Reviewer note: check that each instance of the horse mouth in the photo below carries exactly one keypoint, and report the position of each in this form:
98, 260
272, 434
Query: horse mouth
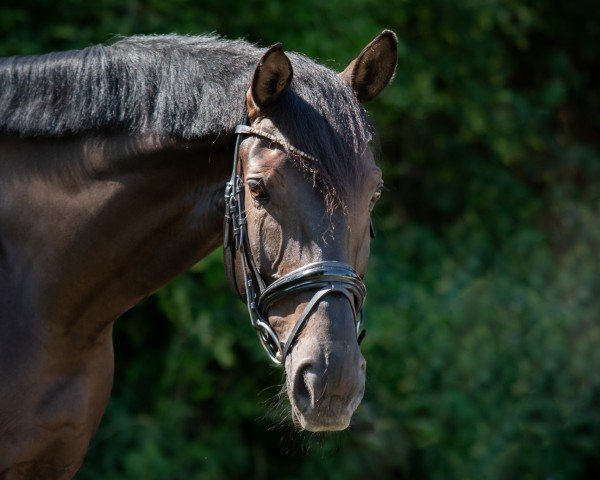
322, 425
322, 421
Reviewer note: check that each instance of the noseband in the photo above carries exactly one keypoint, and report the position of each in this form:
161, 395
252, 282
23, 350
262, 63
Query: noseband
325, 277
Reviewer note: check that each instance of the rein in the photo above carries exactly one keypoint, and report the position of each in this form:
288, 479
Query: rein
326, 277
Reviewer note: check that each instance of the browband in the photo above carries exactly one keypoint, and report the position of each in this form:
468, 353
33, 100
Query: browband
248, 130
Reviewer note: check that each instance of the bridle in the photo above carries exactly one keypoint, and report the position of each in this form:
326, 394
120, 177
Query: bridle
326, 277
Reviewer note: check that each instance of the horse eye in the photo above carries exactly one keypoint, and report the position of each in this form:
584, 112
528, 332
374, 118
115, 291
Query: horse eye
258, 189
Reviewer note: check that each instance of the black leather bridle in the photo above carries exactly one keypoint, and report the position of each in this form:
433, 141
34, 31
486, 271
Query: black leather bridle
326, 277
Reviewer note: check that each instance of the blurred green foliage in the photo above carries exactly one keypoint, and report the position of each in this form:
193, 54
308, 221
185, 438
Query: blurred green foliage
484, 284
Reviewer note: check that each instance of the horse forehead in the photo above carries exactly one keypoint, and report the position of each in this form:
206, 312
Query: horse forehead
263, 158
367, 169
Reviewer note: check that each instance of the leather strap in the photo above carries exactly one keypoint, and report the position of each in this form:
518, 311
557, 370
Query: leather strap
317, 297
248, 130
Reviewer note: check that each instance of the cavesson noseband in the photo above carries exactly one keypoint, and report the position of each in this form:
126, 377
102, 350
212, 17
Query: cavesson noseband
326, 277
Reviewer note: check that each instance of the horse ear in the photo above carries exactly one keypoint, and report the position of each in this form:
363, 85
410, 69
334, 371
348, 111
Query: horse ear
272, 76
370, 72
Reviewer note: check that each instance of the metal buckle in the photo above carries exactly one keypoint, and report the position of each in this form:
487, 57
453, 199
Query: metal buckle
269, 341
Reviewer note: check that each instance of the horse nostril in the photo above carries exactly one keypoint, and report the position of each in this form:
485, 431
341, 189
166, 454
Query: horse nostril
302, 391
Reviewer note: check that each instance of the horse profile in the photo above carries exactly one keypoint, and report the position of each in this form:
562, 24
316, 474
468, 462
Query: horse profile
114, 161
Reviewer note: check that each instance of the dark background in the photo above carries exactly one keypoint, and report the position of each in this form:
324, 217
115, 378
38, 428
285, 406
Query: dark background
484, 286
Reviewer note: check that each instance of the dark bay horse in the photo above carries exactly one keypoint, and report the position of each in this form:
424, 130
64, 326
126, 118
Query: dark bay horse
113, 166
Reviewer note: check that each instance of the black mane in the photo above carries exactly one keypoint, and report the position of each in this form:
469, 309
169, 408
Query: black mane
189, 87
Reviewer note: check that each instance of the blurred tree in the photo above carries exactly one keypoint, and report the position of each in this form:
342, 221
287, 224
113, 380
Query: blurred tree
483, 332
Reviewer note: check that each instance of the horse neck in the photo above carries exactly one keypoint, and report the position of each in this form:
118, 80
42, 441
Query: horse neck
90, 226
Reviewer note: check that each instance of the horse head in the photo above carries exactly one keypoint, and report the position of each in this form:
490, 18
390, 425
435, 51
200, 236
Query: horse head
298, 231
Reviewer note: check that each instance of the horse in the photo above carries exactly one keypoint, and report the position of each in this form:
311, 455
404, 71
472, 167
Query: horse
116, 176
